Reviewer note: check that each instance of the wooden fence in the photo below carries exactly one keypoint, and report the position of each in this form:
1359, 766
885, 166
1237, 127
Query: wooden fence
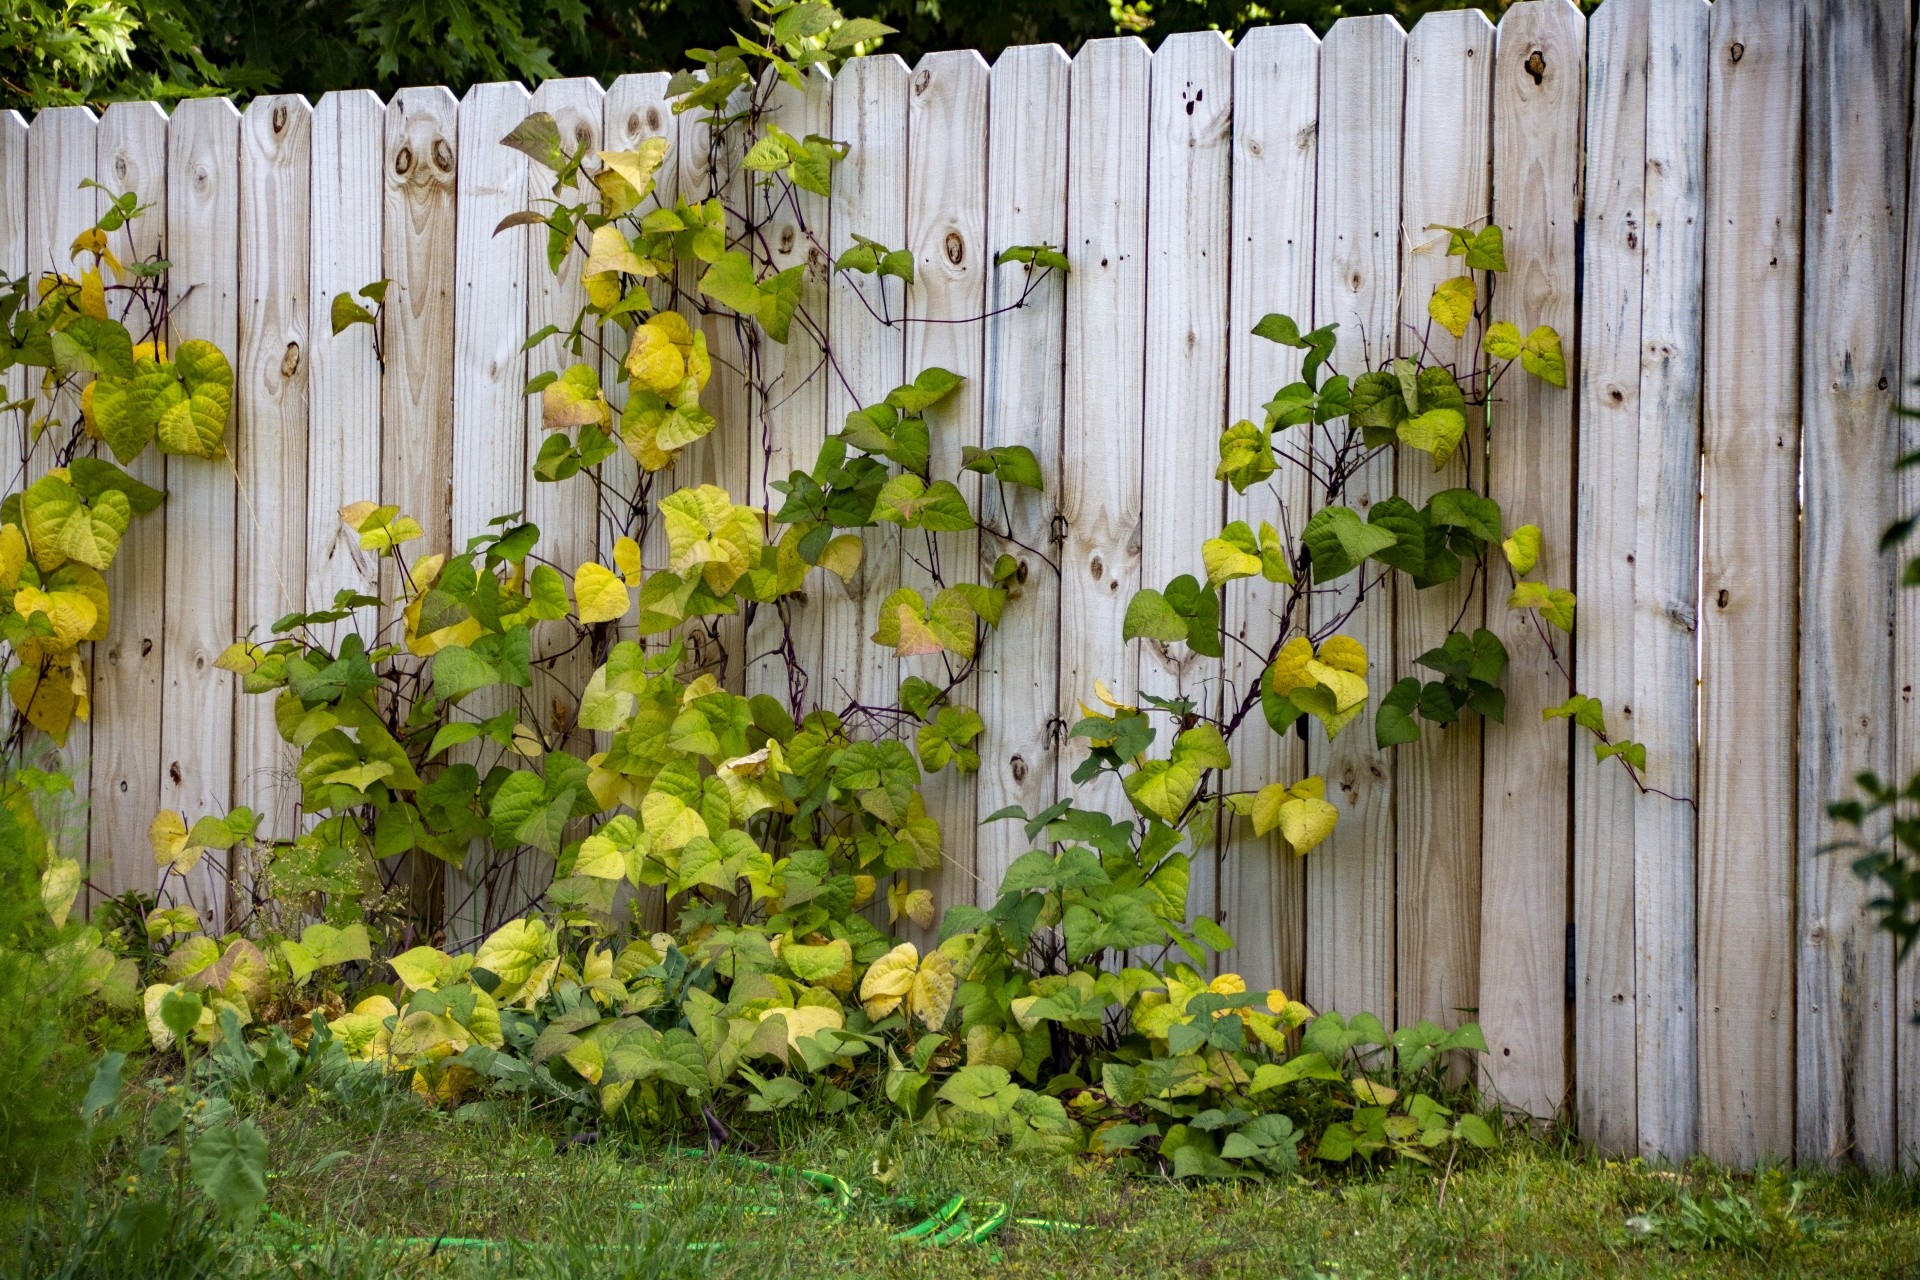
1709, 201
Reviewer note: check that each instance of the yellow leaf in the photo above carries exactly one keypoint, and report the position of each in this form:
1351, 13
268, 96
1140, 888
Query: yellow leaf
610, 252
1105, 695
1344, 653
1289, 669
599, 594
167, 834
915, 904
1452, 304
932, 991
242, 657
93, 240
626, 558
1305, 822
93, 294
13, 554
806, 1020
656, 355
888, 980
59, 886
1523, 548
71, 615
842, 556
863, 889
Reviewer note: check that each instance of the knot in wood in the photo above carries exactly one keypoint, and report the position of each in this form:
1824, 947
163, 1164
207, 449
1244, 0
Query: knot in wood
279, 119
442, 155
956, 248
1536, 66
921, 79
1018, 766
1736, 51
290, 361
403, 161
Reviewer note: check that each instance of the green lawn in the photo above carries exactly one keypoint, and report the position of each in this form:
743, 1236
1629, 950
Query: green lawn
354, 1192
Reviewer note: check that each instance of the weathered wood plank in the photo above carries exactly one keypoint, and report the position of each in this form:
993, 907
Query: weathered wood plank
1857, 87
710, 169
128, 665
13, 257
270, 427
947, 123
1105, 384
1350, 877
870, 114
196, 718
1666, 575
1606, 1005
790, 423
345, 223
60, 157
490, 473
1906, 679
419, 235
1190, 149
1019, 676
636, 108
1749, 553
1538, 92
1446, 180
1276, 99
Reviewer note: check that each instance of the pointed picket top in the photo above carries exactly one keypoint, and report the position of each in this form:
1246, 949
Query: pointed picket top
1022, 54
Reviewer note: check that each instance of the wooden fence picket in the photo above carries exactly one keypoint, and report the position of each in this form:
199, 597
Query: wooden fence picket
60, 157
1104, 397
1276, 101
869, 190
1190, 150
1019, 691
1858, 98
1906, 673
792, 425
947, 122
128, 664
1538, 93
1749, 582
1350, 877
490, 476
270, 428
1446, 177
346, 205
196, 716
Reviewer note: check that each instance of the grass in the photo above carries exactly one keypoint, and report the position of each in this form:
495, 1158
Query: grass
363, 1191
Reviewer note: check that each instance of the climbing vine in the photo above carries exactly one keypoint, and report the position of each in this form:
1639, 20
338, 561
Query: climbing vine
539, 795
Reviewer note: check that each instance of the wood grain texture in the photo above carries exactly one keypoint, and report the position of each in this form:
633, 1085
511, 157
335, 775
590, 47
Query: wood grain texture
1524, 855
196, 719
790, 423
416, 455
1666, 575
345, 223
710, 169
1190, 152
131, 155
636, 108
13, 256
60, 157
564, 510
1906, 679
1749, 553
270, 428
869, 187
1276, 92
490, 474
1019, 687
1446, 180
1606, 1004
1857, 102
1105, 392
1350, 877
947, 122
